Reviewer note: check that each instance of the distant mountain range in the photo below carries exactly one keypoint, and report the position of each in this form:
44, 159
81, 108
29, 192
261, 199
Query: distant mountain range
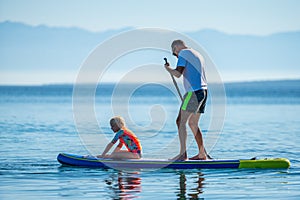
41, 48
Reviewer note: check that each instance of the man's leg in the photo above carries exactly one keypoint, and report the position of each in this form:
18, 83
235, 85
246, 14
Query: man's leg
193, 123
181, 121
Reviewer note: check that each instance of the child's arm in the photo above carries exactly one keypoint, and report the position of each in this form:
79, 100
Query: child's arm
118, 148
108, 147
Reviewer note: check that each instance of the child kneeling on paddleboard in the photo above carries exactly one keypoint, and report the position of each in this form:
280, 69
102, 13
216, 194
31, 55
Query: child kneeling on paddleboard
125, 136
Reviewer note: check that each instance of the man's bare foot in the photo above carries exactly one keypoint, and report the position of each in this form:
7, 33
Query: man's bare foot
180, 157
198, 157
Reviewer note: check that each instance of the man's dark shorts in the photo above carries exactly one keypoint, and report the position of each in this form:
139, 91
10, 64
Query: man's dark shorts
195, 101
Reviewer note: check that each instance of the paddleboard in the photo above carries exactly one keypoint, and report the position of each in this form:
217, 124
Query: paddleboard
90, 161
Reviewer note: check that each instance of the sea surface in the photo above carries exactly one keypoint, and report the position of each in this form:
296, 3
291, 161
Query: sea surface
260, 119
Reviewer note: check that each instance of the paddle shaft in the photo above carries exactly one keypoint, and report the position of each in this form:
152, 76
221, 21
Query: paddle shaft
174, 82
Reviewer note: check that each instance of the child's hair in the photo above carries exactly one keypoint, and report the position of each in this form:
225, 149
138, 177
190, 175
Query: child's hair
118, 120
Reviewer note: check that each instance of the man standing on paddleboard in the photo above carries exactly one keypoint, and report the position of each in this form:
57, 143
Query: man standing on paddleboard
191, 65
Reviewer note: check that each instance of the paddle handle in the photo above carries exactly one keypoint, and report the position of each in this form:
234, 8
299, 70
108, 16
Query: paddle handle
166, 61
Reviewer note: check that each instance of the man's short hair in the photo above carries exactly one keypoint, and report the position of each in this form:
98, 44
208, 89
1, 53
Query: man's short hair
177, 43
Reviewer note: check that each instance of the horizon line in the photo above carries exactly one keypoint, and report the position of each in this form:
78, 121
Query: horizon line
132, 83
126, 28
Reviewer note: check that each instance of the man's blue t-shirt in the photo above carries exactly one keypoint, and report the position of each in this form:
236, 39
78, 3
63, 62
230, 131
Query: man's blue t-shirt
194, 73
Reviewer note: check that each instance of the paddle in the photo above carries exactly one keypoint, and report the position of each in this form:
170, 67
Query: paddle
179, 93
174, 82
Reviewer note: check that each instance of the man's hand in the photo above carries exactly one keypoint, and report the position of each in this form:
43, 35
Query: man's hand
174, 72
167, 66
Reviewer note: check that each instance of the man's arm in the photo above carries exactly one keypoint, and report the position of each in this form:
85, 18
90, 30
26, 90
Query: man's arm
175, 72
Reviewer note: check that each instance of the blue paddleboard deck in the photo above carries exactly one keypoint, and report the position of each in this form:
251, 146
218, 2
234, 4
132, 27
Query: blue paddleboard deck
82, 161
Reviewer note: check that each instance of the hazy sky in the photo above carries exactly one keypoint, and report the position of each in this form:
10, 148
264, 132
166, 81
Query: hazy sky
259, 17
251, 17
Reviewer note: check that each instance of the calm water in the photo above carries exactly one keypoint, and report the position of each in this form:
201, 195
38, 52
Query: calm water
36, 123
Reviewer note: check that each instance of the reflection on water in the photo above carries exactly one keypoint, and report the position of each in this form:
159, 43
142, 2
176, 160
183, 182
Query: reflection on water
125, 185
196, 186
86, 183
128, 185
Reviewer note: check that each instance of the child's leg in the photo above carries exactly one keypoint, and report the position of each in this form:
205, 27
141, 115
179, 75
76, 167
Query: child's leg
125, 154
